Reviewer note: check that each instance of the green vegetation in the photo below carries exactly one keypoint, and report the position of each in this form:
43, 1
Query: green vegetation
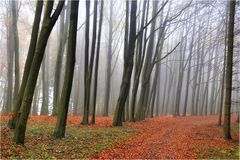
208, 152
79, 142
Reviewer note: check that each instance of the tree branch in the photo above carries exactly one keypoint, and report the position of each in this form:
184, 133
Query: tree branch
167, 54
142, 29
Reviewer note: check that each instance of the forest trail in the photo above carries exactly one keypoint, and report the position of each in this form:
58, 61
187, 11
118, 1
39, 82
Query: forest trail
170, 137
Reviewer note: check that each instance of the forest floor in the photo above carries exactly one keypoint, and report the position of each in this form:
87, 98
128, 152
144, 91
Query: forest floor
160, 137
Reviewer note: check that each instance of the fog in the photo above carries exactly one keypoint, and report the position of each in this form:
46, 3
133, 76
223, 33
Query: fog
184, 43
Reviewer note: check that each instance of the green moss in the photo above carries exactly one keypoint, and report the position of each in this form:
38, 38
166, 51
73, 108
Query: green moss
79, 142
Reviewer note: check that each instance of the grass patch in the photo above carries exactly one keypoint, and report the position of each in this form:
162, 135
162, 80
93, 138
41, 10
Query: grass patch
79, 142
219, 153
209, 151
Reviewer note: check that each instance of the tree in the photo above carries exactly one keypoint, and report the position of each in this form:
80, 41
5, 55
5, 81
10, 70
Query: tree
89, 67
228, 91
62, 38
139, 57
34, 36
147, 68
45, 84
96, 64
47, 26
224, 70
63, 103
109, 61
128, 66
10, 56
16, 47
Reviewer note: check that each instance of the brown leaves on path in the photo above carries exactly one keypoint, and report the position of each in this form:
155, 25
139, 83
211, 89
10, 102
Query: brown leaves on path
173, 138
156, 138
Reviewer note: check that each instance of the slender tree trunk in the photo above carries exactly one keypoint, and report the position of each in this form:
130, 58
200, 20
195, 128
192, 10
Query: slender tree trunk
47, 26
138, 63
63, 103
10, 56
58, 67
128, 66
45, 84
109, 61
86, 89
31, 51
224, 71
16, 47
87, 92
146, 73
228, 92
96, 64
35, 100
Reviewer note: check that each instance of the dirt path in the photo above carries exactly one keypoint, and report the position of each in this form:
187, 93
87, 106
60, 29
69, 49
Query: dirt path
169, 137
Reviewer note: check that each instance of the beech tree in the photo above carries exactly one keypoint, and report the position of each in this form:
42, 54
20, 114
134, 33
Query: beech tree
63, 103
128, 66
89, 63
228, 91
48, 23
33, 42
16, 47
95, 84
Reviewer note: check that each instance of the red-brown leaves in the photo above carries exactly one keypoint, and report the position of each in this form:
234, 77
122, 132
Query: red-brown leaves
172, 138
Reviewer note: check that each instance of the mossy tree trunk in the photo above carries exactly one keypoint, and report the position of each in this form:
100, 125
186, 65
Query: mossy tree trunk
128, 66
147, 68
47, 26
34, 36
229, 70
63, 103
139, 60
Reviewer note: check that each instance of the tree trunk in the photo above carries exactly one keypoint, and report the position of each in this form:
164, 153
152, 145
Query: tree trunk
35, 100
47, 26
146, 73
63, 103
10, 56
86, 89
228, 92
224, 71
63, 38
96, 64
16, 47
109, 61
88, 79
139, 61
31, 51
45, 84
128, 66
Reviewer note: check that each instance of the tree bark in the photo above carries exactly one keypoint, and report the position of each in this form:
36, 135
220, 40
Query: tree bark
96, 64
109, 61
47, 26
128, 66
63, 38
31, 51
16, 48
45, 84
86, 89
88, 78
228, 92
63, 103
